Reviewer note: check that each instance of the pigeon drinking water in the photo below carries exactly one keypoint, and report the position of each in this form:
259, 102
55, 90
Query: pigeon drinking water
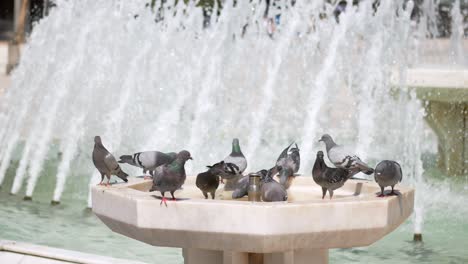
105, 162
271, 190
387, 173
148, 160
241, 187
208, 181
343, 158
329, 178
170, 177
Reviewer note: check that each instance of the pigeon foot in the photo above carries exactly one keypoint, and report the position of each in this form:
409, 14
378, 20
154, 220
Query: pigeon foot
393, 193
163, 200
146, 177
381, 195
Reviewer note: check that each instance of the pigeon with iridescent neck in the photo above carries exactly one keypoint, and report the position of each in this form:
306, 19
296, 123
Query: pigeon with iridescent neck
170, 177
105, 162
343, 158
388, 173
328, 178
236, 157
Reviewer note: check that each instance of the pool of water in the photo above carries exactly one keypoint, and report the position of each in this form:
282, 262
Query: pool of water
71, 226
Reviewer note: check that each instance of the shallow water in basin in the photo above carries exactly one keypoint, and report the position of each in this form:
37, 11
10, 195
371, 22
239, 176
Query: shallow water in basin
70, 226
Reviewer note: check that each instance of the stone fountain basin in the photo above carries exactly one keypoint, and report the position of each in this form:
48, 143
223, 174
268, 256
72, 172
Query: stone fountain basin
354, 217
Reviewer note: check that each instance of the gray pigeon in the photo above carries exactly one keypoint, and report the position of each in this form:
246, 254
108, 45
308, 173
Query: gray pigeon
343, 158
170, 177
231, 174
270, 189
148, 160
241, 185
208, 181
236, 157
285, 176
329, 178
288, 163
388, 173
290, 157
105, 162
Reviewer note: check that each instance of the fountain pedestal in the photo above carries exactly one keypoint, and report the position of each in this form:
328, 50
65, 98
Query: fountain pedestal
237, 231
446, 94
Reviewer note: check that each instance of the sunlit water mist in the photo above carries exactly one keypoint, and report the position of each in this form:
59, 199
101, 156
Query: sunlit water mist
95, 68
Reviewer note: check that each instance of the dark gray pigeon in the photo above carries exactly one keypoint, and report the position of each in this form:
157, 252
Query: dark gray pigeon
329, 178
170, 177
148, 160
343, 158
208, 181
388, 173
236, 157
270, 189
105, 162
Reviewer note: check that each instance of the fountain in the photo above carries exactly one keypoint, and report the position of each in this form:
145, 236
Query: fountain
111, 70
298, 231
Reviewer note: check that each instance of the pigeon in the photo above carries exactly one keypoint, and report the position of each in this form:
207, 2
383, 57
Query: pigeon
290, 157
342, 158
148, 160
329, 178
236, 157
170, 177
270, 189
105, 162
388, 173
288, 163
285, 176
241, 187
208, 181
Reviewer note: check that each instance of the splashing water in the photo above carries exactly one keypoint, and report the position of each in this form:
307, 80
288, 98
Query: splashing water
104, 68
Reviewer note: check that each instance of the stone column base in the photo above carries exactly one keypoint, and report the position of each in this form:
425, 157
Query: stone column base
202, 256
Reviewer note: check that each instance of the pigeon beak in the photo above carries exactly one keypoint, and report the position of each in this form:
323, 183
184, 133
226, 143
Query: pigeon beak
191, 158
320, 140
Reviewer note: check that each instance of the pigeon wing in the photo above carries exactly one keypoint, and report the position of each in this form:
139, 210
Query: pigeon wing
111, 162
284, 153
338, 155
